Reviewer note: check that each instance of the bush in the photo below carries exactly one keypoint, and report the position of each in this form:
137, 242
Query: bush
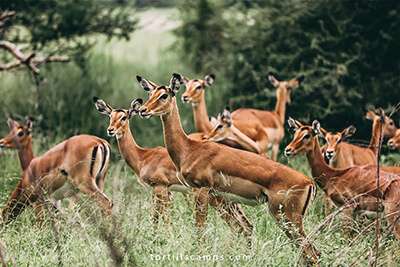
346, 49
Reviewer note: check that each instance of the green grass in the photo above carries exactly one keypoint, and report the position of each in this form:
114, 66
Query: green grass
113, 67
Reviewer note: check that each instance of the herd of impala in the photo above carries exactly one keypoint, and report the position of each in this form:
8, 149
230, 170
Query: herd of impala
222, 165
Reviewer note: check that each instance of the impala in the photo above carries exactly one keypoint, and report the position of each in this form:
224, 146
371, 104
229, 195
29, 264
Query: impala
224, 129
79, 163
342, 154
356, 185
195, 94
272, 121
222, 168
154, 168
394, 142
19, 138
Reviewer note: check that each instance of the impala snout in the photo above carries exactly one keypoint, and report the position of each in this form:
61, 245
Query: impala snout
289, 151
111, 131
391, 144
329, 154
1, 143
143, 112
185, 99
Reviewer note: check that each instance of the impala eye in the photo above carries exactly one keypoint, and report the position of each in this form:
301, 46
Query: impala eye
164, 96
199, 87
307, 136
123, 118
219, 127
20, 134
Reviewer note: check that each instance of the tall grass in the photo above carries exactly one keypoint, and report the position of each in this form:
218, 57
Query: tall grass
67, 109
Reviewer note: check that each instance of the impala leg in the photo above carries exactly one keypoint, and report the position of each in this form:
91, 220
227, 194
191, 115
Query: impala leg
161, 202
288, 213
328, 205
275, 151
347, 220
392, 207
201, 199
90, 188
233, 215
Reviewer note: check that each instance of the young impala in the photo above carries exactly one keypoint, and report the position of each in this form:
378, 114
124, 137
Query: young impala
356, 185
224, 129
19, 138
154, 168
80, 163
272, 121
221, 168
195, 94
342, 154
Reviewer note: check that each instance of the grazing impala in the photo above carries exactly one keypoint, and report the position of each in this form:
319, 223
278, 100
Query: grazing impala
356, 185
394, 142
154, 168
222, 168
195, 94
224, 129
80, 163
272, 121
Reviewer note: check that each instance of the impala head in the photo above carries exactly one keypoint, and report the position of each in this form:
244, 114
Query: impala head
284, 88
195, 88
334, 139
161, 98
19, 135
394, 142
222, 127
119, 118
389, 127
303, 137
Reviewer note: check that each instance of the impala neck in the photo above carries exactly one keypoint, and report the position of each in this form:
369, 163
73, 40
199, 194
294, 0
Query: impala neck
319, 169
200, 115
25, 155
130, 151
280, 106
377, 130
246, 142
175, 139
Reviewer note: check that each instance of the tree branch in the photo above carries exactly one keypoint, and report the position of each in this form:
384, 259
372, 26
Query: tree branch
31, 60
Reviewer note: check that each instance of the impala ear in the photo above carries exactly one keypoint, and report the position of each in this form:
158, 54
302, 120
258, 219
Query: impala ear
175, 83
145, 84
227, 117
273, 80
29, 124
102, 106
293, 124
370, 115
316, 127
135, 105
381, 113
349, 131
12, 123
323, 132
300, 79
213, 121
209, 79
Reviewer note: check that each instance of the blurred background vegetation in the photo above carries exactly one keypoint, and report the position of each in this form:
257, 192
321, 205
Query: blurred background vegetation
346, 49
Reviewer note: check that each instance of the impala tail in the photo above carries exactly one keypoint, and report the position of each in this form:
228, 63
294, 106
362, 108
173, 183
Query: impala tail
99, 163
310, 196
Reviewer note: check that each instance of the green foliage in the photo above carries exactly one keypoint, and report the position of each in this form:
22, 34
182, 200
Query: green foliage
201, 34
346, 49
